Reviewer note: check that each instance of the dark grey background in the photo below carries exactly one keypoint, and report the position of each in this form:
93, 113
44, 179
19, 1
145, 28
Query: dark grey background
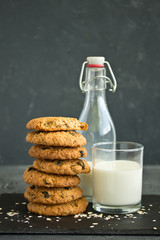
42, 46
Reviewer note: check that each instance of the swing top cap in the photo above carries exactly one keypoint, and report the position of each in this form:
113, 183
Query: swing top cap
95, 61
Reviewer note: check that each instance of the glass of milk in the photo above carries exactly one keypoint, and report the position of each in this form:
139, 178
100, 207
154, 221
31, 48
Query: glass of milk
117, 177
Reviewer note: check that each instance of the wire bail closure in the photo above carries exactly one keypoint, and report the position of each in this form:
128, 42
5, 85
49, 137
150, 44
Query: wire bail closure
112, 83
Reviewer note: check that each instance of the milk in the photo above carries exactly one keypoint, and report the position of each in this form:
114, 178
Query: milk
117, 183
86, 182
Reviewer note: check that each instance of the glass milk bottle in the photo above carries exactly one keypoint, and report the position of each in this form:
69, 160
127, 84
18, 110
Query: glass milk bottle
95, 111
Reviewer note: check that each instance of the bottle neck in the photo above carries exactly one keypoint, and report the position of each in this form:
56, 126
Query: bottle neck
94, 80
95, 84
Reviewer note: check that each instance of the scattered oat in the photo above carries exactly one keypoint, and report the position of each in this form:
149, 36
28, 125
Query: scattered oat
30, 226
57, 220
79, 219
11, 214
95, 223
6, 218
17, 203
141, 213
48, 219
1, 212
23, 203
154, 220
155, 228
46, 226
12, 220
132, 221
91, 226
90, 212
150, 205
116, 215
0, 208
39, 216
26, 222
149, 209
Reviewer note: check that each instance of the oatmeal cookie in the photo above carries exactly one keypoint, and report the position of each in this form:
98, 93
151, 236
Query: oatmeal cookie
46, 195
64, 209
49, 152
35, 177
57, 139
56, 124
67, 167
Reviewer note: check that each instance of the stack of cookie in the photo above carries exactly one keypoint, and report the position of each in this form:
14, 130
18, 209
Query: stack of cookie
53, 179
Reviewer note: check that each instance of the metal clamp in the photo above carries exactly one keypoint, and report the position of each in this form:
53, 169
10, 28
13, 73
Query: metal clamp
113, 85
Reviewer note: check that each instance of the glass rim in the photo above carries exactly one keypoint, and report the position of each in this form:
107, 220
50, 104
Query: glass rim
138, 146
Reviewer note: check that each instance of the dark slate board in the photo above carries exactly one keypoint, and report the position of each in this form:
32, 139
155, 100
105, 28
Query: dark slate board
138, 224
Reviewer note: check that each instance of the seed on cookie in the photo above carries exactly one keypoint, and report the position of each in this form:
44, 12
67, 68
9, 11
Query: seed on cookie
56, 124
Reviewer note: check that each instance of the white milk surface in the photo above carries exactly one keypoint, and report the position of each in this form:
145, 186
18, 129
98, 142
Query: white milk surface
86, 182
117, 183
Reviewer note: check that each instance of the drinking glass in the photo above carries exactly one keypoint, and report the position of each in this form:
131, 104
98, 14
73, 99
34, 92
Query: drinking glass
117, 177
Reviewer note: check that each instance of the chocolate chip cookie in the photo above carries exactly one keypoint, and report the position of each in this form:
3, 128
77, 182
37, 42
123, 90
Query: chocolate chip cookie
67, 167
56, 124
46, 195
57, 139
35, 177
49, 152
64, 209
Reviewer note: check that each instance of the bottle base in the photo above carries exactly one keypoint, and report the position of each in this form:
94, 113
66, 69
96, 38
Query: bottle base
116, 209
